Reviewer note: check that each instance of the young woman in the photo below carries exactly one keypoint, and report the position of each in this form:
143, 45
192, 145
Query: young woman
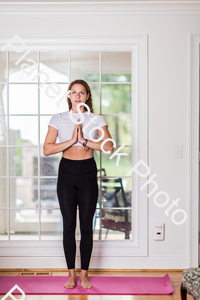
77, 174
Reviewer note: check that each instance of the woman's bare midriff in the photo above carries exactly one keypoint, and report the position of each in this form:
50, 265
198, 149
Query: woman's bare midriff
78, 153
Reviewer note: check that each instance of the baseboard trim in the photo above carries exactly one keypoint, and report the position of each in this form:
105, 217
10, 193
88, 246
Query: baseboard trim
97, 263
91, 270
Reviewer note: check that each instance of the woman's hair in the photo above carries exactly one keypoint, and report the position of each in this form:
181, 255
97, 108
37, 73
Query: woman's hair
88, 91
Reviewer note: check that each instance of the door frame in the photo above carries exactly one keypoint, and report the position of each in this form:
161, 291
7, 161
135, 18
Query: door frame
193, 161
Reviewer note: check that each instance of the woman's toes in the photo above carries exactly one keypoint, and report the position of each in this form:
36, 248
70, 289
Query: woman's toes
85, 283
71, 283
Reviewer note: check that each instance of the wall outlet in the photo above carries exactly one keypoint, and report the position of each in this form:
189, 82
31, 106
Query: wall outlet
159, 230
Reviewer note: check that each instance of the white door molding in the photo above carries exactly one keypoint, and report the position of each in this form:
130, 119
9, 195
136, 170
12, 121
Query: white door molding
100, 8
194, 152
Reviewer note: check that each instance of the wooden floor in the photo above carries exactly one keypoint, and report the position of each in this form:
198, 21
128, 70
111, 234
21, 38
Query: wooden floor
175, 277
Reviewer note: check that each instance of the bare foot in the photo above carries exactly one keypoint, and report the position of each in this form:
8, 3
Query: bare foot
85, 282
71, 283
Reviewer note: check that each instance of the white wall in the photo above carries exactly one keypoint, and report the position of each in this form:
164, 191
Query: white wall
168, 90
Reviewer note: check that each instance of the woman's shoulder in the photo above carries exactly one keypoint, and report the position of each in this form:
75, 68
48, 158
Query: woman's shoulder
61, 115
95, 115
100, 119
57, 118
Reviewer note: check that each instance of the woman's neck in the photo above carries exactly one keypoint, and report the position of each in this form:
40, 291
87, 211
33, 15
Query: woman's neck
74, 110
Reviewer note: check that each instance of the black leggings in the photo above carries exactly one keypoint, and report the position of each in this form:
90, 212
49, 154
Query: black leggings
77, 184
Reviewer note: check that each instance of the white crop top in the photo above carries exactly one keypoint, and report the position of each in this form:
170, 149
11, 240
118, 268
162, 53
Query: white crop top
65, 125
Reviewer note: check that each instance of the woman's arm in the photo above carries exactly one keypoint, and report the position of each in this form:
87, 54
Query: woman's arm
49, 145
108, 146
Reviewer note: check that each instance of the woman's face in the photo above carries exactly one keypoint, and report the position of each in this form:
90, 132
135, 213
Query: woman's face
78, 94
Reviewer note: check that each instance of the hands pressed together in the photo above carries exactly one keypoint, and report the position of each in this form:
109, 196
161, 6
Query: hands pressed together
78, 134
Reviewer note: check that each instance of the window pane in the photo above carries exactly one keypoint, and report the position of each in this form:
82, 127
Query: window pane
48, 190
3, 99
44, 122
116, 98
3, 130
77, 232
120, 128
127, 184
23, 129
58, 103
22, 161
3, 192
3, 225
85, 65
51, 224
3, 71
116, 224
24, 224
49, 164
24, 192
25, 70
55, 65
23, 99
116, 192
3, 160
95, 90
97, 159
116, 66
96, 225
124, 163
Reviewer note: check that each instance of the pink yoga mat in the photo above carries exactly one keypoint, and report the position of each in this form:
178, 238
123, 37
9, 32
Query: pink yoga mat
54, 285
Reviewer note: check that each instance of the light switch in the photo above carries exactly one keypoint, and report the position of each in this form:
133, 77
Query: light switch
178, 151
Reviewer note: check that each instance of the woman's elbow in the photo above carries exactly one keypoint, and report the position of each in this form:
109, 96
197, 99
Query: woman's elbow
111, 149
46, 153
108, 147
